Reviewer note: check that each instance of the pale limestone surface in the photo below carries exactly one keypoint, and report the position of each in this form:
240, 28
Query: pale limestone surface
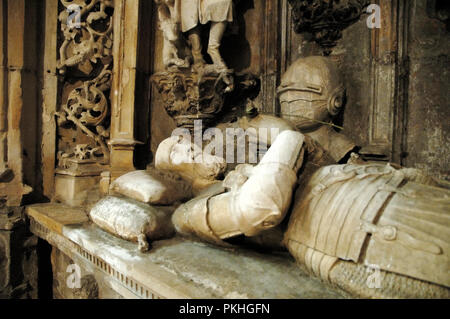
176, 268
203, 270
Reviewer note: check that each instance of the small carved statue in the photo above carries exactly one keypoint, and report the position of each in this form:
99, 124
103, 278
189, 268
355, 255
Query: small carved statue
187, 16
193, 91
173, 46
196, 12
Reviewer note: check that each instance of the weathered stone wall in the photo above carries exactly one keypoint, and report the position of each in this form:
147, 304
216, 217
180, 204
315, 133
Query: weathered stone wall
427, 131
20, 178
420, 134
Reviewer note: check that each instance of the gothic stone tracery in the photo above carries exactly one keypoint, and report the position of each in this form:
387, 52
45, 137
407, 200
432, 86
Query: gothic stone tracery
85, 61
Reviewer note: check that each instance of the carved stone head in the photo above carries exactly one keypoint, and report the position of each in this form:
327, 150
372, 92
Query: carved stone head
311, 92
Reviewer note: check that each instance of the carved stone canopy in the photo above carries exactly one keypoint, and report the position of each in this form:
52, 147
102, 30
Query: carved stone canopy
325, 19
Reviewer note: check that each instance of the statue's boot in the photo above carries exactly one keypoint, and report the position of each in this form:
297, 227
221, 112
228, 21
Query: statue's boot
250, 200
196, 46
215, 39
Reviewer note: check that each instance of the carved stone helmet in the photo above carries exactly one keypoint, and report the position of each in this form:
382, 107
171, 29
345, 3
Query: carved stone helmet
311, 92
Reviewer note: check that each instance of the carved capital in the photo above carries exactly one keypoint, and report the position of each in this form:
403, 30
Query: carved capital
190, 96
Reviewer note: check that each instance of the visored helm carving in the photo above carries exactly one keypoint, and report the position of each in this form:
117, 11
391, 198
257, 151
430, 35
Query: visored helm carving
311, 92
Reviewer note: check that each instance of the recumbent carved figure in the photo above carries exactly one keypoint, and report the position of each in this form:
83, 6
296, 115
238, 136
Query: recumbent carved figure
340, 216
345, 219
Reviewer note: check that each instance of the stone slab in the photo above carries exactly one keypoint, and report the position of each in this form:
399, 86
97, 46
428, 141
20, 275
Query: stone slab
55, 216
177, 268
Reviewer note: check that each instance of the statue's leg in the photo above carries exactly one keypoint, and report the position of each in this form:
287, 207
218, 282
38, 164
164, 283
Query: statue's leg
215, 39
196, 45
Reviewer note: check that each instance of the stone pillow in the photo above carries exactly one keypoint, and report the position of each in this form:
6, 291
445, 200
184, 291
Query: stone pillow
132, 220
157, 187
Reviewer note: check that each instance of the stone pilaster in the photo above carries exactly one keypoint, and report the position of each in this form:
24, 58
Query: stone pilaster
126, 35
18, 260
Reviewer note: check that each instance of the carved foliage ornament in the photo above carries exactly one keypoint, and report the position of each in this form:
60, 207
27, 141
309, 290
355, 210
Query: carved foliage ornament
86, 57
190, 96
326, 19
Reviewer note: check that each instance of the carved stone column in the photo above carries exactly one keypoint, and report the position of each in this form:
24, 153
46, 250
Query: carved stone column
126, 35
49, 97
3, 110
271, 56
12, 187
18, 261
85, 68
